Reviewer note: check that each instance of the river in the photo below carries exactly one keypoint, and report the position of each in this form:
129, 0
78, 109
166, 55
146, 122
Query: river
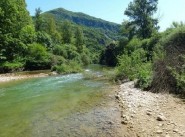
60, 106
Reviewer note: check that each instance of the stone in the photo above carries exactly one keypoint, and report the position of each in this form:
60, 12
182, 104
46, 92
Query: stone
110, 122
117, 96
54, 73
124, 122
125, 119
161, 117
159, 131
148, 113
175, 130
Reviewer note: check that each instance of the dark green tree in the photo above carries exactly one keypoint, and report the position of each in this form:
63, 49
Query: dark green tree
140, 13
52, 30
38, 19
66, 32
79, 39
108, 56
13, 19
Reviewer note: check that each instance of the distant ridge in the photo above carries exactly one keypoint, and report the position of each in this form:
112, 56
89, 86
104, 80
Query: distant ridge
83, 19
97, 32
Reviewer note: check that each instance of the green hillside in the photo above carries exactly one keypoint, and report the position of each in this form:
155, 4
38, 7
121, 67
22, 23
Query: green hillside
96, 31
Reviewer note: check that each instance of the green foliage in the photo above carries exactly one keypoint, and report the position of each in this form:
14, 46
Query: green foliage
129, 65
69, 67
128, 30
15, 25
27, 34
11, 66
79, 39
44, 39
179, 77
38, 20
140, 13
97, 33
83, 19
170, 60
133, 64
66, 32
37, 57
108, 56
145, 76
133, 45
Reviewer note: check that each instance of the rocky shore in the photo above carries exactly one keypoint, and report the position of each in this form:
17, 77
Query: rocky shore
145, 114
13, 76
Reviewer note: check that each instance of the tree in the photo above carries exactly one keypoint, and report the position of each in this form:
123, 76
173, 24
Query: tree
79, 39
52, 30
127, 30
66, 32
108, 56
140, 14
13, 18
38, 19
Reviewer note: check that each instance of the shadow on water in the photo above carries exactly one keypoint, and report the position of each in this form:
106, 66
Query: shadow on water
68, 105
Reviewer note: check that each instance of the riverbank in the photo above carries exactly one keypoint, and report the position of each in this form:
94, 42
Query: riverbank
145, 114
23, 75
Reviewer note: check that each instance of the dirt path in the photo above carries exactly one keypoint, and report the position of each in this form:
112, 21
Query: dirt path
146, 114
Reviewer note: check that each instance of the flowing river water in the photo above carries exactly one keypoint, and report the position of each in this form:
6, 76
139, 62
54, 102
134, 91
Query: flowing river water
60, 106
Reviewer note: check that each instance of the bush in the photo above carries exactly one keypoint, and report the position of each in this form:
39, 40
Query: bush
11, 67
69, 67
145, 76
133, 45
60, 50
129, 65
44, 39
169, 65
37, 57
135, 66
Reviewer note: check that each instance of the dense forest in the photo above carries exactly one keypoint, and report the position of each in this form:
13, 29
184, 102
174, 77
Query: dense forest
65, 41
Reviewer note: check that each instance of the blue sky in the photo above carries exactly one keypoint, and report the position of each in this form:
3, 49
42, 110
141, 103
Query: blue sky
112, 10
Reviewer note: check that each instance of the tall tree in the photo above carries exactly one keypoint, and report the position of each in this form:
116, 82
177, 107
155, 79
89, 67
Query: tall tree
13, 18
140, 13
79, 39
38, 19
66, 32
52, 30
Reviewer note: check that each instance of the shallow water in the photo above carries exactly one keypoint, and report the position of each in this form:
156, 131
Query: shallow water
67, 105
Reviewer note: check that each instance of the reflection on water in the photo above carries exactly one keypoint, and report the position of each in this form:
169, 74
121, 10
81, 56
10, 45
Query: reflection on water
54, 106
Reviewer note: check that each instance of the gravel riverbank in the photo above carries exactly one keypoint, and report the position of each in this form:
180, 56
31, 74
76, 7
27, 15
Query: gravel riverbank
12, 76
145, 114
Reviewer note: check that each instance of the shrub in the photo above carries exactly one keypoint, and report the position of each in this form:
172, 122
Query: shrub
169, 70
11, 67
145, 76
69, 67
37, 57
129, 65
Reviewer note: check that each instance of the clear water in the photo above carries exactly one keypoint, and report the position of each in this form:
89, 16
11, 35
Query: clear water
52, 106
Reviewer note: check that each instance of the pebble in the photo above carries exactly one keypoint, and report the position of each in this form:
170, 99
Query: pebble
124, 122
175, 130
159, 131
149, 113
161, 117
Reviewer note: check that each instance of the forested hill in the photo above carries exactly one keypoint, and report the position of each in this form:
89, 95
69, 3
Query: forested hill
98, 33
83, 19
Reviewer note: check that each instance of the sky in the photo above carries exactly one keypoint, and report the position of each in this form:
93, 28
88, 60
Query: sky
112, 10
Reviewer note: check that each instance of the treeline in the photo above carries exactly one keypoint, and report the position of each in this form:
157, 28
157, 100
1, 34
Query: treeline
28, 43
155, 59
